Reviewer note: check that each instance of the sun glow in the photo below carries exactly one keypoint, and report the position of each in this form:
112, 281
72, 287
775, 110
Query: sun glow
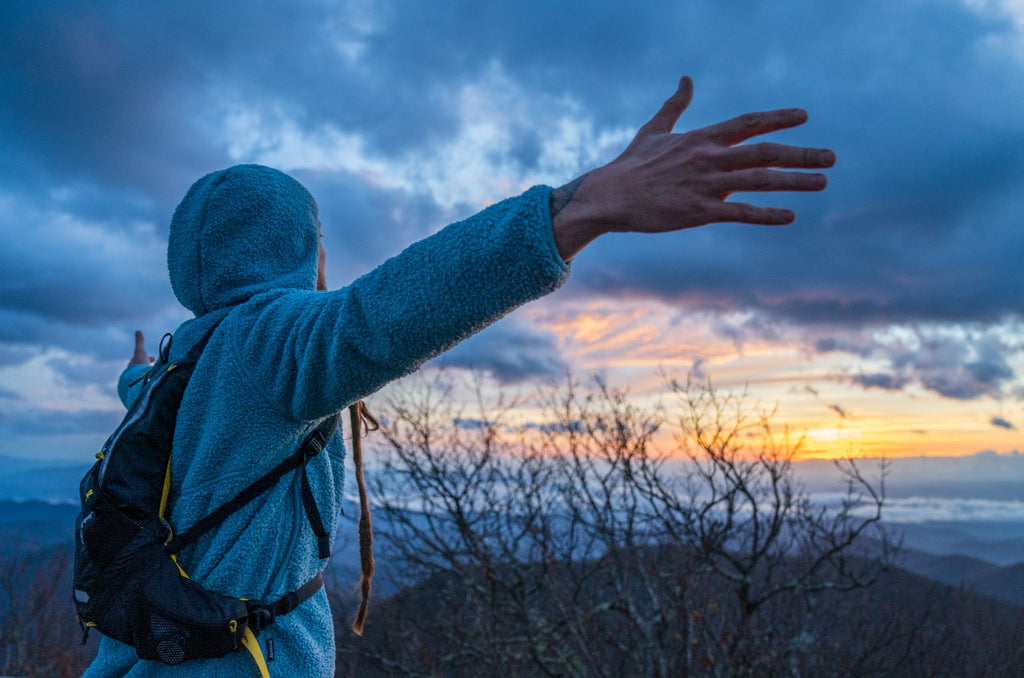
817, 394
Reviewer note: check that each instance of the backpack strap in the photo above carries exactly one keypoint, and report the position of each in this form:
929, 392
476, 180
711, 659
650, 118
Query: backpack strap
262, 615
311, 446
323, 539
192, 357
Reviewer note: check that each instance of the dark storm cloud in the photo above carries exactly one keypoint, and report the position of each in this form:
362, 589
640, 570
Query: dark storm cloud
112, 92
60, 422
927, 141
25, 336
365, 224
82, 372
509, 352
90, 292
962, 363
1003, 423
886, 382
960, 368
110, 110
14, 354
67, 280
922, 217
89, 98
845, 344
471, 424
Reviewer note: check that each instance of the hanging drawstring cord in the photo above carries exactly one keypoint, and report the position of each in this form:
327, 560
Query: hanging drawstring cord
360, 418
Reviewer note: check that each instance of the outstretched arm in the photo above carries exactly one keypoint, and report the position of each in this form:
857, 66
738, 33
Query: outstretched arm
667, 182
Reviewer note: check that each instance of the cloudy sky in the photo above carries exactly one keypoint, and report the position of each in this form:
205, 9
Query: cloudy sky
888, 319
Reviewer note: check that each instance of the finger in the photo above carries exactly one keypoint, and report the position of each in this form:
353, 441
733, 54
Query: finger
769, 180
140, 344
665, 119
139, 355
745, 213
741, 128
775, 155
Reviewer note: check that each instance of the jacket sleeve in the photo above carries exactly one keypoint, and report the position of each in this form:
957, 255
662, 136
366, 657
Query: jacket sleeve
129, 385
313, 353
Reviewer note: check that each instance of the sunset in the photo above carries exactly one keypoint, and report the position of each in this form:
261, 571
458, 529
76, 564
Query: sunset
884, 324
886, 319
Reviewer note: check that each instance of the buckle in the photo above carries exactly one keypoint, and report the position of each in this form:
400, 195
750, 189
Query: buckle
260, 618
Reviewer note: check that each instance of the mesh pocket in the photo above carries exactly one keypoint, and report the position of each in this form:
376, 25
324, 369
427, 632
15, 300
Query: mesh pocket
185, 620
170, 638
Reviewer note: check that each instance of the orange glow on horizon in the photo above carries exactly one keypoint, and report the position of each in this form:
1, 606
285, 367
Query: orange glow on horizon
634, 346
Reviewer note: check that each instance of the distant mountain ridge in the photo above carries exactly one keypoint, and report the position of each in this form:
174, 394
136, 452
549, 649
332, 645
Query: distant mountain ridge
998, 542
32, 524
37, 523
38, 504
1003, 583
26, 479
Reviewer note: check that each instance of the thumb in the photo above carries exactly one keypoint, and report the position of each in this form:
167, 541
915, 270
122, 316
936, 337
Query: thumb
139, 355
665, 119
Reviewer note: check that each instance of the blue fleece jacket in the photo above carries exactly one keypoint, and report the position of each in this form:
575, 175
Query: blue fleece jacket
243, 250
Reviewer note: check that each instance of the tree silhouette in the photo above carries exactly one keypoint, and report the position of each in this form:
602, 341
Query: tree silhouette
574, 546
38, 633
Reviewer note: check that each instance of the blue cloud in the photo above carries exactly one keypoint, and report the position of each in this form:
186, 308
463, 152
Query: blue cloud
1002, 423
60, 422
111, 111
888, 382
510, 352
956, 361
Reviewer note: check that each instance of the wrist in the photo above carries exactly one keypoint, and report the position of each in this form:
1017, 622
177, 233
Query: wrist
577, 218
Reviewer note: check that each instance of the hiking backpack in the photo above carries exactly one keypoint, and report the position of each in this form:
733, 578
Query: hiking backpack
127, 581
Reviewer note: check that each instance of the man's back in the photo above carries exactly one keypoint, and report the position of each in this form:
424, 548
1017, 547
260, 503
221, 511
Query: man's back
288, 356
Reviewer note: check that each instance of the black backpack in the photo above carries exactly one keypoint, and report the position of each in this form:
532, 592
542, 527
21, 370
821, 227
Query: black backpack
127, 582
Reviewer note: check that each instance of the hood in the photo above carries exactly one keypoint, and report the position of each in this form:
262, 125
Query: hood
239, 232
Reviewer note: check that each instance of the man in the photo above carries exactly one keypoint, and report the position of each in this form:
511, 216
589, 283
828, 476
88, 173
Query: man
244, 252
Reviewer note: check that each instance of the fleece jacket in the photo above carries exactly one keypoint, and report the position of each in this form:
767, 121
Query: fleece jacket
243, 250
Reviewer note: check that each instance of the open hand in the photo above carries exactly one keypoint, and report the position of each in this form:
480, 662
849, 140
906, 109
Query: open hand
666, 181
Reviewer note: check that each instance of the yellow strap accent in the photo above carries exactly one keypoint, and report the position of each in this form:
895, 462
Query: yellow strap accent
167, 488
250, 643
175, 559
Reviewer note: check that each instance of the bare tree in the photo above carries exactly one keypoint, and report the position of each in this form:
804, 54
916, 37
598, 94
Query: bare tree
575, 547
38, 633
754, 529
